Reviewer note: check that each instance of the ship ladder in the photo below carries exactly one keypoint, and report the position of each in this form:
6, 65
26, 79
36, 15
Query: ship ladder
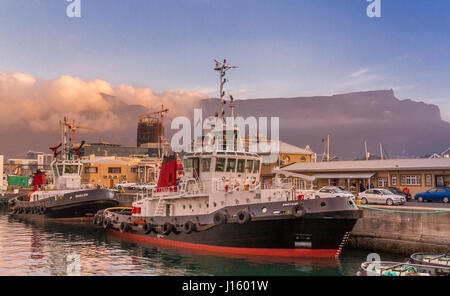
160, 208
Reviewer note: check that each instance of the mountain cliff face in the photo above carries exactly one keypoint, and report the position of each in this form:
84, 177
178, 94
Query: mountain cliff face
405, 128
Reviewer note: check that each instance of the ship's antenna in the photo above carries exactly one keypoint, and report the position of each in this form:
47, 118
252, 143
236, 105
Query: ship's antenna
232, 106
222, 68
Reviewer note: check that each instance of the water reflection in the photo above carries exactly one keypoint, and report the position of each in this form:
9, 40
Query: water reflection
46, 248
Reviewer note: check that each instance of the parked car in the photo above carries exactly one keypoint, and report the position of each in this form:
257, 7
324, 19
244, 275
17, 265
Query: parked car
434, 194
381, 196
126, 184
333, 191
144, 186
399, 192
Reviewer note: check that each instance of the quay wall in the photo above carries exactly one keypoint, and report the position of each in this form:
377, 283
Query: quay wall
415, 230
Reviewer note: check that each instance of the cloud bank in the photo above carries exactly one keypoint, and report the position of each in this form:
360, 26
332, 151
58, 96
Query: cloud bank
40, 104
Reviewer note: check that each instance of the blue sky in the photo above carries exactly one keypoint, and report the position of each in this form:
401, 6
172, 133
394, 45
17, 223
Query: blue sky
284, 48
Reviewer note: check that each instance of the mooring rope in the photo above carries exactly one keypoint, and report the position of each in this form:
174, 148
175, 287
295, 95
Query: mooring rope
408, 212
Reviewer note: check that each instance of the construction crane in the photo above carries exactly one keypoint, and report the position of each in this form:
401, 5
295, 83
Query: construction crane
74, 127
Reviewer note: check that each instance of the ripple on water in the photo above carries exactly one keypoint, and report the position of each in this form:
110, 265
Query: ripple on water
45, 248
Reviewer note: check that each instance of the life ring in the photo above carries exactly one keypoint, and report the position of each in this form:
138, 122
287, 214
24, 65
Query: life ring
298, 211
243, 217
124, 227
167, 228
106, 223
189, 227
219, 218
147, 227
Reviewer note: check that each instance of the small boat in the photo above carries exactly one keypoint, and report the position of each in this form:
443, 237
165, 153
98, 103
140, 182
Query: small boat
442, 260
384, 268
65, 199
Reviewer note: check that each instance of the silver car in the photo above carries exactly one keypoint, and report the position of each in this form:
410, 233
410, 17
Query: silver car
381, 196
333, 191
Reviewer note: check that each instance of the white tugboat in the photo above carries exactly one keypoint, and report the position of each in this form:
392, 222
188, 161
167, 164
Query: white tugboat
65, 198
219, 206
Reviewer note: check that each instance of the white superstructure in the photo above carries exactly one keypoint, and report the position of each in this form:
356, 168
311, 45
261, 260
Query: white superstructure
220, 174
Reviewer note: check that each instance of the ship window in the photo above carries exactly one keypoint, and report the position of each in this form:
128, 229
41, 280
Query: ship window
256, 168
205, 164
220, 164
231, 165
241, 165
249, 165
71, 169
187, 165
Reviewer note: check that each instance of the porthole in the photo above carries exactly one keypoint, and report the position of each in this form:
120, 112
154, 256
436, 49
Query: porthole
323, 204
184, 207
190, 206
264, 210
207, 205
214, 204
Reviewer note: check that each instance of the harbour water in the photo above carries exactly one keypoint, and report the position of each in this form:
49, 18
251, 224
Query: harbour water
50, 248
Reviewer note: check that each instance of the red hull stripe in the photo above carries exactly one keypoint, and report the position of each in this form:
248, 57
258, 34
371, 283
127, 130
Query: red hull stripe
314, 253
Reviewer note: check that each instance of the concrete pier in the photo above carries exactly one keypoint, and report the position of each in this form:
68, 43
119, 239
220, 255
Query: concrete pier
402, 232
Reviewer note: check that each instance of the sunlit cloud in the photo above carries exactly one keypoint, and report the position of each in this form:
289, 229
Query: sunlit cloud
40, 104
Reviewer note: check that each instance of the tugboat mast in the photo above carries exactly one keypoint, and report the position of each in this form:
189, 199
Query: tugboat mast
222, 68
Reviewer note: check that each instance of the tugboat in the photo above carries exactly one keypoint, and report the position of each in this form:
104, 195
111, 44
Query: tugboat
65, 199
220, 206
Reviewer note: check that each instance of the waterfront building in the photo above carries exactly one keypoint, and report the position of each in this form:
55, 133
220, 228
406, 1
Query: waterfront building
286, 154
2, 181
107, 149
112, 170
415, 175
28, 166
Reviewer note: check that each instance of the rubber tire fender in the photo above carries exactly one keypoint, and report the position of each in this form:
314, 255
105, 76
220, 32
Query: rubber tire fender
106, 223
189, 227
147, 228
167, 228
243, 217
100, 219
219, 219
298, 211
124, 227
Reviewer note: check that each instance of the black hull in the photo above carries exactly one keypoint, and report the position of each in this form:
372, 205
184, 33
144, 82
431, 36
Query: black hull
75, 205
316, 234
